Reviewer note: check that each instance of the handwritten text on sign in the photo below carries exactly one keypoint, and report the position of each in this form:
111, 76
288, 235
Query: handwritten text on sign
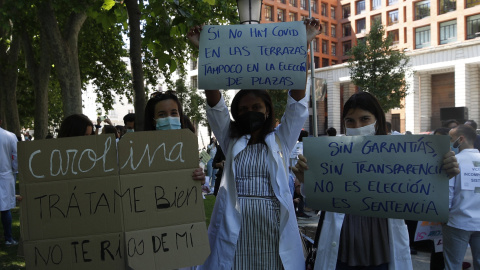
381, 176
254, 56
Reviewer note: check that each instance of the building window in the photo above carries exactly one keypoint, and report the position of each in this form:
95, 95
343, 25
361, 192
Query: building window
392, 2
422, 37
447, 6
448, 32
325, 46
361, 26
334, 48
347, 29
392, 17
293, 3
347, 45
324, 9
280, 15
376, 18
333, 30
193, 64
422, 9
292, 16
303, 4
324, 28
334, 62
360, 6
472, 3
316, 61
314, 6
376, 4
332, 12
194, 82
346, 11
268, 13
325, 62
282, 1
394, 35
303, 18
315, 44
473, 26
361, 41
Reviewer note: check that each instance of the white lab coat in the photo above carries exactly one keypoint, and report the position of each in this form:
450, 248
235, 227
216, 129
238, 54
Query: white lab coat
226, 218
8, 169
329, 243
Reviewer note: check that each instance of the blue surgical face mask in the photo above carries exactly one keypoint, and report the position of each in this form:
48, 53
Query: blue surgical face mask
168, 123
362, 131
454, 146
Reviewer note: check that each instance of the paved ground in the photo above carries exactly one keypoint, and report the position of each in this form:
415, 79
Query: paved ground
421, 261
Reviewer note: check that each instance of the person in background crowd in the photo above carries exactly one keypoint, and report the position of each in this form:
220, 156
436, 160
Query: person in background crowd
211, 171
109, 129
441, 131
473, 124
164, 112
8, 170
218, 163
348, 241
120, 129
253, 224
75, 125
451, 123
129, 122
331, 131
389, 130
463, 227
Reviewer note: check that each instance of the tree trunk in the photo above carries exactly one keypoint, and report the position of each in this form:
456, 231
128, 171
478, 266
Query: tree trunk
40, 76
64, 53
136, 61
8, 82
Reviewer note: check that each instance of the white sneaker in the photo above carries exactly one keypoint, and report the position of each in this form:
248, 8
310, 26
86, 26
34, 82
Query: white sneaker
11, 243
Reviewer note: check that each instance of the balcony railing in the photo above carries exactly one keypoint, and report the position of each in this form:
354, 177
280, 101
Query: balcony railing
376, 4
448, 33
422, 39
422, 11
473, 27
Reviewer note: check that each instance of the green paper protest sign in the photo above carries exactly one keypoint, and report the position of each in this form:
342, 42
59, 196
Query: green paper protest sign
380, 176
253, 56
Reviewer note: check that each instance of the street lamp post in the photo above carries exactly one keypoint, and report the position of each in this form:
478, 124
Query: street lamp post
249, 11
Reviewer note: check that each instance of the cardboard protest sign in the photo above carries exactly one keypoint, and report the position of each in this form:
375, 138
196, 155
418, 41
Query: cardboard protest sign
253, 56
83, 206
379, 176
430, 231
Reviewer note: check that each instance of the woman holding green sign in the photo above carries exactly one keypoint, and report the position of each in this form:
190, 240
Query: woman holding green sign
348, 242
253, 224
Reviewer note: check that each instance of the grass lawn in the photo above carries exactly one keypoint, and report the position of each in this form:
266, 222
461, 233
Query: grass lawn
8, 255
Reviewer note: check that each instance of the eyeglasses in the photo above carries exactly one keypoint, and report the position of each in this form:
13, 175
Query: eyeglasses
158, 94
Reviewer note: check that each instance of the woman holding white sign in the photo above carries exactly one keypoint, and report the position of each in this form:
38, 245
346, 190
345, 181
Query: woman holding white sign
253, 223
349, 241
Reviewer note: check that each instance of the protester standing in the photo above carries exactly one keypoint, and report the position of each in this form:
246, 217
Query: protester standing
8, 170
350, 242
463, 227
253, 224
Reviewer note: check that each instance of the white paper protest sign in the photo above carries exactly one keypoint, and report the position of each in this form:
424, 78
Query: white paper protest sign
380, 176
253, 56
470, 175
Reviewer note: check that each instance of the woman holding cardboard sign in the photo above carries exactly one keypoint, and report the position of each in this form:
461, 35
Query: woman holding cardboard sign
357, 242
253, 224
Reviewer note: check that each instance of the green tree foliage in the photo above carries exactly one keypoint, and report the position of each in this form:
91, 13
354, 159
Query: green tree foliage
193, 103
377, 68
279, 101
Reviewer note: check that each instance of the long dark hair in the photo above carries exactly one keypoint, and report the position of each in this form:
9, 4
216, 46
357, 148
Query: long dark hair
148, 123
235, 130
74, 125
367, 102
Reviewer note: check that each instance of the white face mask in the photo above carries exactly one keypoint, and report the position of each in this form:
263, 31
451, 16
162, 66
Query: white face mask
362, 131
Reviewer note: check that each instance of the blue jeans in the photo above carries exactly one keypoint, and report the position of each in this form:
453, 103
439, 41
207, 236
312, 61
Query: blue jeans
7, 225
455, 243
211, 173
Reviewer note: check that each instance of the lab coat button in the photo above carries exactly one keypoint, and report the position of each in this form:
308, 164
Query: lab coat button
334, 244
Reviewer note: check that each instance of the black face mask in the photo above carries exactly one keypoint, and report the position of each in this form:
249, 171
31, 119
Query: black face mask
251, 121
